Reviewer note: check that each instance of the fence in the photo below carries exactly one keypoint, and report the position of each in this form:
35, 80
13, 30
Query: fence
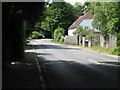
73, 40
107, 43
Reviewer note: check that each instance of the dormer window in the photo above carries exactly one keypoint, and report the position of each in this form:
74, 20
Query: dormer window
86, 27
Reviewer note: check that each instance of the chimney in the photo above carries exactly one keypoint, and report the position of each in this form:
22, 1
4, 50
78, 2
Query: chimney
85, 10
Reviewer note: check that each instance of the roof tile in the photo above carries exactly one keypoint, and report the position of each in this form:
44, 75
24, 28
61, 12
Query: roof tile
80, 19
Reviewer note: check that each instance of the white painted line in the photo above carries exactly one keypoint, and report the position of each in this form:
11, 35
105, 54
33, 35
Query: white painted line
113, 60
103, 63
94, 61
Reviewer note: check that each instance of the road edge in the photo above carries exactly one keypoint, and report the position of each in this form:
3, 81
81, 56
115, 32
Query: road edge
40, 74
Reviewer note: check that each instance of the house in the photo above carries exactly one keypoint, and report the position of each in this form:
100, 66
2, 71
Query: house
85, 21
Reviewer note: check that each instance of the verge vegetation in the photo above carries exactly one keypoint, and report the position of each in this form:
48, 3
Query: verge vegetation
95, 48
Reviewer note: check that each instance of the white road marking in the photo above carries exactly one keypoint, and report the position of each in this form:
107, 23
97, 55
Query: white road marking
103, 63
94, 61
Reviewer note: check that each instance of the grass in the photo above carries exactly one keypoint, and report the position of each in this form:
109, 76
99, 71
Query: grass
101, 50
94, 48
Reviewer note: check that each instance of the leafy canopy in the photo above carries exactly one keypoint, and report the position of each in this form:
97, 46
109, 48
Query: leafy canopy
58, 14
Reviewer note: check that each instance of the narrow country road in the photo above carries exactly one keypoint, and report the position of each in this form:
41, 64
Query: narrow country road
65, 66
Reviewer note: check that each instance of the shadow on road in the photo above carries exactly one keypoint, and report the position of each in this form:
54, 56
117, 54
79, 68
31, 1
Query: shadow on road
22, 75
71, 74
58, 74
112, 63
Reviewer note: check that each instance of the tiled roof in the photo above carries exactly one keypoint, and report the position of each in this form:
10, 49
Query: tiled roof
80, 19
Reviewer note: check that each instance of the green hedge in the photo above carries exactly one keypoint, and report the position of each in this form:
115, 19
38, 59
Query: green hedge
59, 35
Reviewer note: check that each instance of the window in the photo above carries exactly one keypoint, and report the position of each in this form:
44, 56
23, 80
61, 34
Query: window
86, 27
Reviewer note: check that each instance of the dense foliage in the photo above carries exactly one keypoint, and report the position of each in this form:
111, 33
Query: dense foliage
107, 18
58, 14
36, 35
43, 32
78, 9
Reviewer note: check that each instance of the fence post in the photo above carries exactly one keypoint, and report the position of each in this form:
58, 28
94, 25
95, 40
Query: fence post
83, 41
77, 40
89, 43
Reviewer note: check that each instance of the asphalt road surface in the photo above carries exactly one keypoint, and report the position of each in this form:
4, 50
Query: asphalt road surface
65, 66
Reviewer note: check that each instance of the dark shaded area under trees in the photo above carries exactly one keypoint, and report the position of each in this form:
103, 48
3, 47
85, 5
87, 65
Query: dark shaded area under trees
13, 35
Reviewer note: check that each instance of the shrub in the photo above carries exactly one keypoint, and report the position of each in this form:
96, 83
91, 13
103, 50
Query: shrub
35, 35
95, 43
90, 35
78, 31
58, 34
61, 39
58, 37
115, 50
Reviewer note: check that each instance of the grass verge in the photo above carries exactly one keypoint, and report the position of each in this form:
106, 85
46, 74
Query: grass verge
94, 48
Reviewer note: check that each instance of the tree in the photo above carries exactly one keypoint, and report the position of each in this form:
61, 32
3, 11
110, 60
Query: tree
16, 17
36, 35
58, 14
78, 9
106, 16
100, 20
80, 31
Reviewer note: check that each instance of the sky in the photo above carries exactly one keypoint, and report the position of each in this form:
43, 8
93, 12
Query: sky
70, 1
73, 1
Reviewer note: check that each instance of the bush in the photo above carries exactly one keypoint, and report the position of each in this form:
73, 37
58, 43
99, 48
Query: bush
115, 50
95, 43
59, 34
90, 35
58, 37
35, 35
78, 31
61, 39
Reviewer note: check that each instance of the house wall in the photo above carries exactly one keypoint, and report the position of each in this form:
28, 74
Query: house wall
70, 32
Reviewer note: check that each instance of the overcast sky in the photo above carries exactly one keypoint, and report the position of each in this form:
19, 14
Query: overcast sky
70, 1
73, 1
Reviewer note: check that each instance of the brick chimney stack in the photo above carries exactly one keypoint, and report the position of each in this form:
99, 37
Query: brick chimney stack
85, 10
